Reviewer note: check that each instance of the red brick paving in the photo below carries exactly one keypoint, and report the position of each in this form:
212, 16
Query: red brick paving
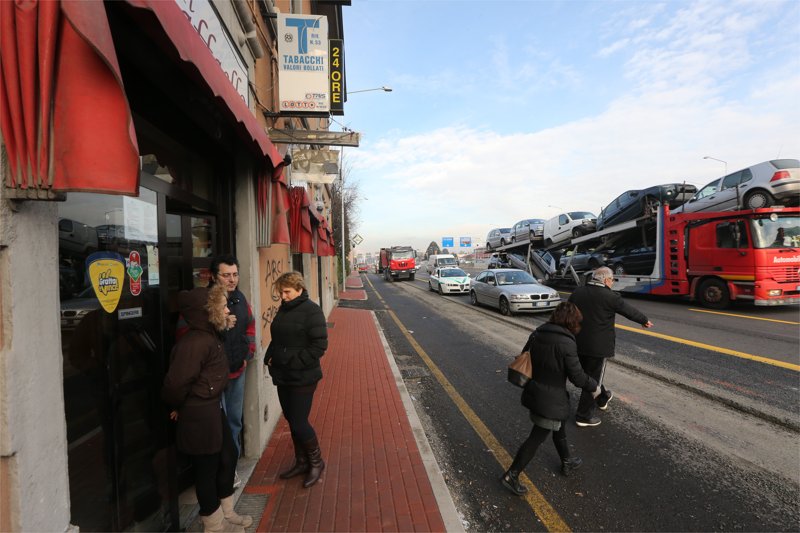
353, 295
374, 479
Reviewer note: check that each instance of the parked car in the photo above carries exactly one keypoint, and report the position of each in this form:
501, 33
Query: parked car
449, 280
761, 185
498, 261
583, 261
566, 226
498, 237
530, 229
634, 259
631, 205
511, 291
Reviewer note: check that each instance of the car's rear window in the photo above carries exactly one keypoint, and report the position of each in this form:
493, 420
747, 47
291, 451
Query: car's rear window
785, 163
505, 230
580, 214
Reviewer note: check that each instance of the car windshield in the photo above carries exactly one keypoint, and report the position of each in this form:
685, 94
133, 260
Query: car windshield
709, 189
536, 221
452, 273
580, 214
409, 254
514, 278
784, 232
446, 261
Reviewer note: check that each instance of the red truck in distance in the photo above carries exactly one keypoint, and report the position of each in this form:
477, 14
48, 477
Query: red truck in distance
398, 262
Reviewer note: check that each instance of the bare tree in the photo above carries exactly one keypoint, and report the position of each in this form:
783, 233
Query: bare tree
350, 193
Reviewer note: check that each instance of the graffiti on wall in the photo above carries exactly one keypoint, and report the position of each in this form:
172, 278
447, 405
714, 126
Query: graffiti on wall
273, 269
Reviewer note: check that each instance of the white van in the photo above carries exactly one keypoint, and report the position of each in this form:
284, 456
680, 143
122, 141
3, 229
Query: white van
440, 260
567, 226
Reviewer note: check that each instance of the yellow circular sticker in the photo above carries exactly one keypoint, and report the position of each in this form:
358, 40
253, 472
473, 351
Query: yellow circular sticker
107, 277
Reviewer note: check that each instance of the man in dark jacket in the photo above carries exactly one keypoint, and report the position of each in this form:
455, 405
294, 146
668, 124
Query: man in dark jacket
597, 338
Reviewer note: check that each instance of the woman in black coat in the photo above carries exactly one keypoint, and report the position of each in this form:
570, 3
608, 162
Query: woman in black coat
554, 359
299, 339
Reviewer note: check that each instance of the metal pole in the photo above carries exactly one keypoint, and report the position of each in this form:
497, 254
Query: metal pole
341, 199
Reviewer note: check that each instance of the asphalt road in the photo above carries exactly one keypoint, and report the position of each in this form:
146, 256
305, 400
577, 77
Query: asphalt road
696, 439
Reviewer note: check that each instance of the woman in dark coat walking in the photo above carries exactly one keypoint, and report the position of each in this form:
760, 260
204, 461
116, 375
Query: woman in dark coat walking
554, 359
299, 339
193, 386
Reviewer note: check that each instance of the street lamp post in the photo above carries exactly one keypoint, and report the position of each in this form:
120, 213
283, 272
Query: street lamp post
720, 160
383, 88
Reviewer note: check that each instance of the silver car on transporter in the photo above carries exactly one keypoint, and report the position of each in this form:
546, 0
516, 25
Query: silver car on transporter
511, 290
762, 185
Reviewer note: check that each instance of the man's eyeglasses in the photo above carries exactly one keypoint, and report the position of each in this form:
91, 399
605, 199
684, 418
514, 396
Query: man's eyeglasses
229, 275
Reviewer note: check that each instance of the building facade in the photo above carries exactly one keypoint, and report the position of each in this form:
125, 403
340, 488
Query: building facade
153, 158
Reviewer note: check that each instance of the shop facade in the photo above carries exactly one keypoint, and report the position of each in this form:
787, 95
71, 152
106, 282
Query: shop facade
84, 437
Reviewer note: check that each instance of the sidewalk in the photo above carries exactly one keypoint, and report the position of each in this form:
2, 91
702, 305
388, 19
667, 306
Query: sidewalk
377, 476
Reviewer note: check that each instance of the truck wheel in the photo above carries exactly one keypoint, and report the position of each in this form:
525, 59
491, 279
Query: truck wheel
758, 199
505, 308
619, 269
713, 293
473, 298
411, 277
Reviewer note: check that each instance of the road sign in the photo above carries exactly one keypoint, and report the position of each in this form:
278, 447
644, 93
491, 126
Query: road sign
447, 242
357, 239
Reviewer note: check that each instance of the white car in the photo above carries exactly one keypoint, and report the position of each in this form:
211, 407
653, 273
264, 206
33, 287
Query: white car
449, 280
761, 185
566, 226
511, 290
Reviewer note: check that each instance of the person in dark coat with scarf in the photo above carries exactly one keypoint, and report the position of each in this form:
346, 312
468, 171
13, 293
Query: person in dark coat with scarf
299, 339
599, 305
193, 386
554, 359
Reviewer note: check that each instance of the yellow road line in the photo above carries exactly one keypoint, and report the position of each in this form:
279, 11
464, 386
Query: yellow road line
744, 316
549, 517
726, 351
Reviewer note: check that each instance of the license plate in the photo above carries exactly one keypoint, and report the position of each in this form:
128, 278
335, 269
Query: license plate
542, 304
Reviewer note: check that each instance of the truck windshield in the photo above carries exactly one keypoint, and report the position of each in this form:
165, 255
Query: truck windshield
446, 261
404, 254
783, 232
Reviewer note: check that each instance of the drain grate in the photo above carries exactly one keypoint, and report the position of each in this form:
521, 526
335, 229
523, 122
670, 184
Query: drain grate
252, 504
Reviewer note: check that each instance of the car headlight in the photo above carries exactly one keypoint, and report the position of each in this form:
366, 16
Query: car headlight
520, 297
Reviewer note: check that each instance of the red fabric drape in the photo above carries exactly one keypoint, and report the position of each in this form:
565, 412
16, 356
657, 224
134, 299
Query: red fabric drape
89, 132
279, 231
300, 221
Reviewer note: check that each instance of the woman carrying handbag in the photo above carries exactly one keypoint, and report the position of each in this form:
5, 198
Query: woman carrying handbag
554, 359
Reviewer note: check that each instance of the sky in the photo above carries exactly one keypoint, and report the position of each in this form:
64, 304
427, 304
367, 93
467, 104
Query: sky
507, 110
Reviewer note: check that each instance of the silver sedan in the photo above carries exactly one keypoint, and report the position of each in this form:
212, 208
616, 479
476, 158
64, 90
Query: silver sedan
511, 290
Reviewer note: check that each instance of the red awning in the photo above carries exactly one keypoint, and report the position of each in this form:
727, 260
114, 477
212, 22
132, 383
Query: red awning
300, 221
193, 50
60, 54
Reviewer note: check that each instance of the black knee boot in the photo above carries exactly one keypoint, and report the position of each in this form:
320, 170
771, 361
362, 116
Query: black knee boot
315, 462
568, 464
300, 462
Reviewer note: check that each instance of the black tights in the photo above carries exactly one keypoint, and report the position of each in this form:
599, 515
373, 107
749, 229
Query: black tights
296, 405
531, 444
213, 472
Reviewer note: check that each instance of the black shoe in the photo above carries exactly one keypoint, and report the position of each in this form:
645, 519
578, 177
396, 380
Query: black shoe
587, 422
510, 480
568, 465
603, 399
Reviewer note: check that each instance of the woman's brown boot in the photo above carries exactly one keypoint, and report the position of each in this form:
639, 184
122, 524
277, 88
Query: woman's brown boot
316, 464
300, 462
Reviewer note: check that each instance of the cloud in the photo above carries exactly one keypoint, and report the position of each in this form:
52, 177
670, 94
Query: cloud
695, 89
